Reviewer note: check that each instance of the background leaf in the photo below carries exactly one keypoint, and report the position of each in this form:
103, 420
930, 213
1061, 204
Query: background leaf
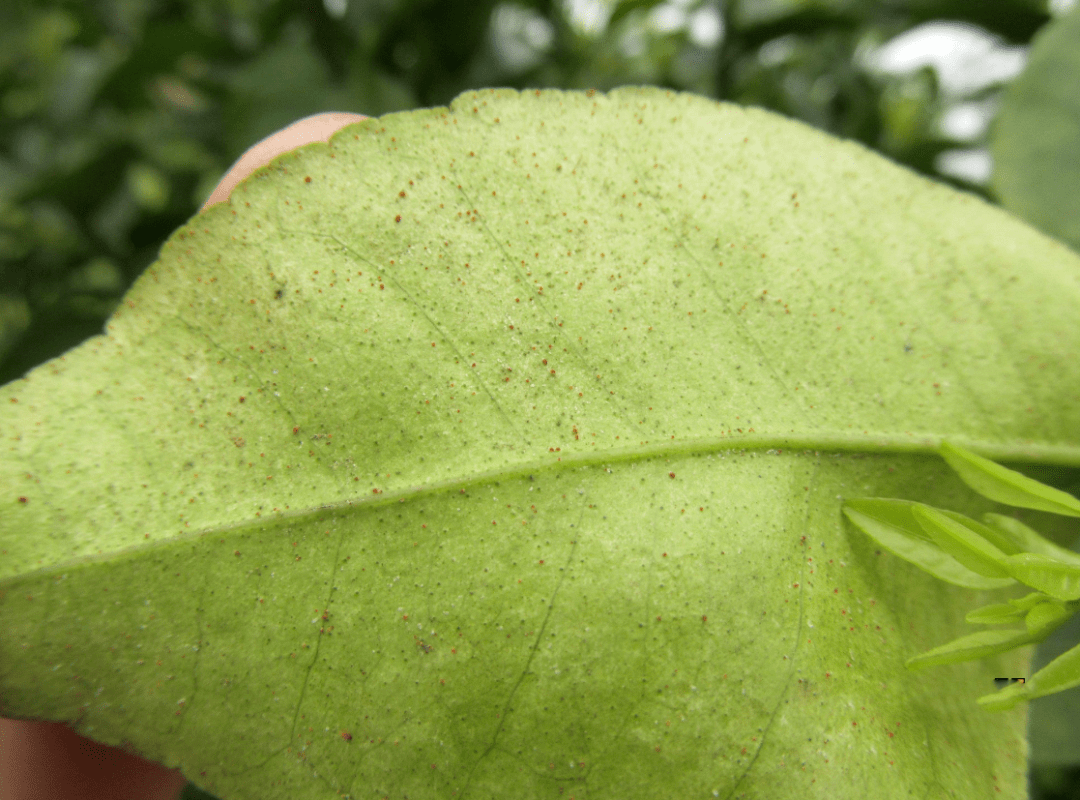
1036, 138
317, 510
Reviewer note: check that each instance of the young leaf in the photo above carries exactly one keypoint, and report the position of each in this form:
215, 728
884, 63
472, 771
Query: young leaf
1012, 695
997, 614
1045, 617
1059, 675
1029, 601
999, 539
968, 648
892, 525
1046, 574
962, 543
1003, 485
1027, 540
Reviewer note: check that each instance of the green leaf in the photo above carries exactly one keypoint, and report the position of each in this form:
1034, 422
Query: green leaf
1059, 675
892, 524
1007, 486
995, 614
998, 539
1029, 602
961, 542
1061, 581
1045, 617
1052, 719
970, 647
1009, 697
1027, 540
313, 518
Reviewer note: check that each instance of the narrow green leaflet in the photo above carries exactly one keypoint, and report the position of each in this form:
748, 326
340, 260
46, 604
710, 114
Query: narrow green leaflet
892, 524
1044, 617
1029, 602
1027, 540
1007, 486
968, 648
1046, 574
961, 542
995, 614
1060, 674
1041, 621
999, 539
1009, 697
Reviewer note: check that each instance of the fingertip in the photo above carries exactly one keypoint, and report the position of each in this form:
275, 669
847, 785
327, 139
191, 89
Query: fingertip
47, 760
316, 128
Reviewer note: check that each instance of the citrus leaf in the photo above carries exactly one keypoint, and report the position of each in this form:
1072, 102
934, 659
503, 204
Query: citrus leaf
1029, 601
960, 542
1046, 616
1009, 697
1059, 675
1059, 580
995, 614
892, 524
997, 538
970, 647
1007, 486
1027, 540
457, 456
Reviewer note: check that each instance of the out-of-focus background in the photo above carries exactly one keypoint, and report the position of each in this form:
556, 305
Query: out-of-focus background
118, 117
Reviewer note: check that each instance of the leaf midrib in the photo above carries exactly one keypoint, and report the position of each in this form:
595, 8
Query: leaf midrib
1042, 454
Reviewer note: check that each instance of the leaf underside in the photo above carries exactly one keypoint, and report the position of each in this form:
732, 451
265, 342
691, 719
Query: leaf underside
499, 449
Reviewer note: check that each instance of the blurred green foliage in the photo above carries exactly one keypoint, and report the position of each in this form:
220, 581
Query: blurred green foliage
1036, 142
118, 117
